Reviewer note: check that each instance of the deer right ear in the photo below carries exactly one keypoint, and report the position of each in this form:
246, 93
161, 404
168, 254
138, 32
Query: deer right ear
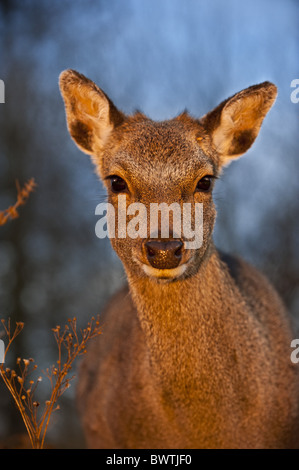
236, 122
90, 114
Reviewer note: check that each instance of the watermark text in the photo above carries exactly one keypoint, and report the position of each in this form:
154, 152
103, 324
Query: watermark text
295, 93
183, 221
2, 92
2, 351
295, 353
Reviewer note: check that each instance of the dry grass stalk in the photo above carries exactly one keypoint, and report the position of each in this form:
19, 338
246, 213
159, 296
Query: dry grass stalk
22, 196
70, 345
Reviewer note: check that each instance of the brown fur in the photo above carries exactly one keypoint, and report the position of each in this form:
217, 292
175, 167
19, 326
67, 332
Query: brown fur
200, 359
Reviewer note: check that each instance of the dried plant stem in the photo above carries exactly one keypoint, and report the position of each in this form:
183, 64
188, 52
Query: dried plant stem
9, 380
21, 409
68, 343
22, 196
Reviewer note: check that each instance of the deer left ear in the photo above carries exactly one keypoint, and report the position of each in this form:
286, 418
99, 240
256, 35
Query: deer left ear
236, 122
91, 115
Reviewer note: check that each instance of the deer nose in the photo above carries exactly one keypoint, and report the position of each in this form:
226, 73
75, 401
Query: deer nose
164, 254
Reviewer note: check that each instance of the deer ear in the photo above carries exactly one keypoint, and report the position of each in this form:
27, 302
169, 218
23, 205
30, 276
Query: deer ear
235, 123
90, 114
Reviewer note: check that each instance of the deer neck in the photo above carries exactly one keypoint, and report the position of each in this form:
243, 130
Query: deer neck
181, 322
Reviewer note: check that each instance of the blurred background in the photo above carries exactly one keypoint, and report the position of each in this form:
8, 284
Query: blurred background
159, 56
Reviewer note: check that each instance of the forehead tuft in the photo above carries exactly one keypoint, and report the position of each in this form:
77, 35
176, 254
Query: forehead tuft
159, 140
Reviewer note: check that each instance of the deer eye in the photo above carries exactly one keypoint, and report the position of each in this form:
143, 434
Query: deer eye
204, 184
118, 185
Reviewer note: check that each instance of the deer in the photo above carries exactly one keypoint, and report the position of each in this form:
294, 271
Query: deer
195, 350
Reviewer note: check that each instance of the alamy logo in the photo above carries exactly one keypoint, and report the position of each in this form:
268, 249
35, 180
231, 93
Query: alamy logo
295, 93
2, 351
2, 92
143, 224
295, 353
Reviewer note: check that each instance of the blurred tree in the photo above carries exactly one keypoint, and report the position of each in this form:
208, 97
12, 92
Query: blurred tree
48, 267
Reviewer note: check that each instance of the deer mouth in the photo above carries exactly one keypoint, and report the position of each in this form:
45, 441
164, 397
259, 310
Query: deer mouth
164, 274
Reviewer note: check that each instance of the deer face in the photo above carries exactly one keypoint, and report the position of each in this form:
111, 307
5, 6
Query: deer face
160, 175
163, 174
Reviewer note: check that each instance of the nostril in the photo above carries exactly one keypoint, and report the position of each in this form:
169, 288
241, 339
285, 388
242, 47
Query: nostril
178, 251
153, 248
150, 251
